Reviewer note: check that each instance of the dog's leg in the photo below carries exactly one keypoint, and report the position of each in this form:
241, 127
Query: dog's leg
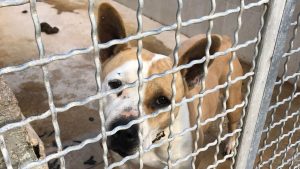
200, 144
235, 97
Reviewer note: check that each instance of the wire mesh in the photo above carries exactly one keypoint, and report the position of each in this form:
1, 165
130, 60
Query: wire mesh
95, 41
228, 78
140, 74
44, 60
279, 146
41, 50
202, 82
173, 83
250, 79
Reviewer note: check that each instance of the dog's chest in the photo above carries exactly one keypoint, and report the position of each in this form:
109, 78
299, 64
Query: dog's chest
180, 146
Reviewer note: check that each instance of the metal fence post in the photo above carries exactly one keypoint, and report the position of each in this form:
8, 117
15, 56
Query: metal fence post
271, 50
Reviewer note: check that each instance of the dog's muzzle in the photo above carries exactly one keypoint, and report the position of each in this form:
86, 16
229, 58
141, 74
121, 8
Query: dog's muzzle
124, 142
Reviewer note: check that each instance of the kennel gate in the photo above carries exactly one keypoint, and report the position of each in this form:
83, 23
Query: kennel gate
270, 42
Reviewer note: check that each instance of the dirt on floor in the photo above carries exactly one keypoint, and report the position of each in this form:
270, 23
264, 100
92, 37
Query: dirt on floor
73, 79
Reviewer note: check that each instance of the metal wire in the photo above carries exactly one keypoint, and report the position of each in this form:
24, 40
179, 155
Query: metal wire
108, 44
215, 142
281, 121
287, 78
5, 153
139, 120
283, 136
97, 61
291, 45
91, 98
175, 135
286, 114
124, 127
41, 50
295, 155
140, 74
173, 83
5, 3
44, 60
278, 95
294, 51
282, 151
247, 95
202, 80
228, 77
125, 86
282, 102
117, 164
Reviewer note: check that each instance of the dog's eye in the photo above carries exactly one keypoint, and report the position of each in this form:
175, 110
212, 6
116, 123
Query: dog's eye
161, 101
114, 84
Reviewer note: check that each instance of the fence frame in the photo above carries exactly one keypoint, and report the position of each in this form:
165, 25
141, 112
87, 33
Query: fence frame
271, 51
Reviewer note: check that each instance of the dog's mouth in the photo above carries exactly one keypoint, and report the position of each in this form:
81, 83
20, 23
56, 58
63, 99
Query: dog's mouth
122, 152
124, 142
122, 147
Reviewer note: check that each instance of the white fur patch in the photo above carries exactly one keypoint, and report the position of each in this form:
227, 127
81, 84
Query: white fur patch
114, 107
158, 57
127, 73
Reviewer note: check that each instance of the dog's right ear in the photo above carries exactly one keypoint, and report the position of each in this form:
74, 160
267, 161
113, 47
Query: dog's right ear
110, 26
196, 51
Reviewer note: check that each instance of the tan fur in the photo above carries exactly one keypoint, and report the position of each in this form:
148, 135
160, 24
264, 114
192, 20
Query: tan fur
217, 74
162, 85
111, 27
129, 54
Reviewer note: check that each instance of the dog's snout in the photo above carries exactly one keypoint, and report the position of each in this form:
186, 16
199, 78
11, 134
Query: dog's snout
127, 109
124, 142
128, 135
129, 112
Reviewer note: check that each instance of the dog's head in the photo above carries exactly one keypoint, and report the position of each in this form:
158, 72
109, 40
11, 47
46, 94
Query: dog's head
120, 66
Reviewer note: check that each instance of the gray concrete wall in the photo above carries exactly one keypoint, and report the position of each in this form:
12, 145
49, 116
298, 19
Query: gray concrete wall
165, 13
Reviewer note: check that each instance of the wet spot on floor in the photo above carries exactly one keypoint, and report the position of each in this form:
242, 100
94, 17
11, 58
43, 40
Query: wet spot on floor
32, 98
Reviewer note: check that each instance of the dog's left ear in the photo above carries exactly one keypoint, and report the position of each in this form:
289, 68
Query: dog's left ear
193, 74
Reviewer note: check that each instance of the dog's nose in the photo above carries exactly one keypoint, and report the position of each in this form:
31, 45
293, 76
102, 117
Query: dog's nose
124, 142
128, 135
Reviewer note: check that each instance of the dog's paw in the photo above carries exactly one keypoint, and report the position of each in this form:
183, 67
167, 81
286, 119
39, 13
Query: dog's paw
230, 146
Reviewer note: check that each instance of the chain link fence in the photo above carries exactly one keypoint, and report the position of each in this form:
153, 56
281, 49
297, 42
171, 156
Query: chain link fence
279, 147
269, 50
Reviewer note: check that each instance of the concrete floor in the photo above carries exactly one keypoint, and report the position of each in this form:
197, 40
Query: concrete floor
73, 79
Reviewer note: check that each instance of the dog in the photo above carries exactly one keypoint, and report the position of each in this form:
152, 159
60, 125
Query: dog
120, 66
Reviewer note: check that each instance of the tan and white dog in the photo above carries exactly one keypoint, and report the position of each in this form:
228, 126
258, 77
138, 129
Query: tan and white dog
120, 66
